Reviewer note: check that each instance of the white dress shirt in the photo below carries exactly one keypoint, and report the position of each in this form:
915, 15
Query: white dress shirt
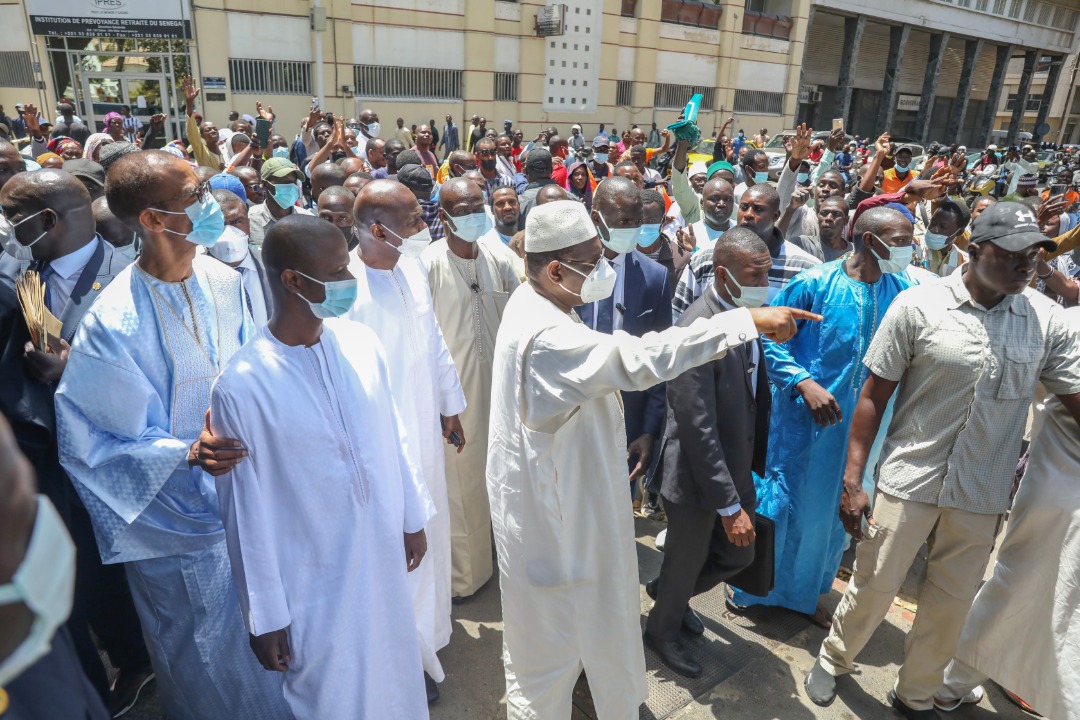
66, 272
619, 263
249, 275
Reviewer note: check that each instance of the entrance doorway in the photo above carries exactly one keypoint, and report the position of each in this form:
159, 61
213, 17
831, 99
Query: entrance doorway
106, 93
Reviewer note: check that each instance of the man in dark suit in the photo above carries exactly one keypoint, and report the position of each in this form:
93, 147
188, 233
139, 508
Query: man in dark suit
639, 304
716, 435
51, 226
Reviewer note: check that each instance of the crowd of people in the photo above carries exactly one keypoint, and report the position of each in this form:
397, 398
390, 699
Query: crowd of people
309, 392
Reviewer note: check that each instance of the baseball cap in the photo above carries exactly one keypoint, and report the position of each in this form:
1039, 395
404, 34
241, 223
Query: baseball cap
1011, 226
277, 167
416, 178
84, 168
992, 148
539, 159
600, 141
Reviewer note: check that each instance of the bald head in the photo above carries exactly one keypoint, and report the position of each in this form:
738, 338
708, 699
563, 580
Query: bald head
324, 176
109, 226
457, 191
296, 242
551, 193
140, 180
879, 221
64, 221
380, 200
614, 190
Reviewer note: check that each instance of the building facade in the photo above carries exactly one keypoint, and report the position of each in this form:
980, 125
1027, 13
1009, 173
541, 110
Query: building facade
939, 69
617, 62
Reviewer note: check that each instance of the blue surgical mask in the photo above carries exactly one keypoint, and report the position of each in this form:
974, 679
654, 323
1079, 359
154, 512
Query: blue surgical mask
935, 241
207, 222
648, 235
749, 297
899, 258
470, 228
760, 177
285, 196
281, 152
802, 178
620, 240
900, 168
340, 296
600, 157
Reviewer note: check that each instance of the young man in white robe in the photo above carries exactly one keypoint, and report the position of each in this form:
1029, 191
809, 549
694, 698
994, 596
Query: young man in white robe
130, 414
328, 605
557, 472
394, 300
470, 284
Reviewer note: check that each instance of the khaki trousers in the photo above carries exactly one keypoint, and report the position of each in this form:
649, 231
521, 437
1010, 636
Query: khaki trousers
960, 545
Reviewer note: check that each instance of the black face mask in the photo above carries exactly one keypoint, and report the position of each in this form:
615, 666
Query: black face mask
488, 164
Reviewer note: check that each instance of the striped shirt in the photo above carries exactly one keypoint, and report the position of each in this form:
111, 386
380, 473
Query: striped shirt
132, 126
787, 261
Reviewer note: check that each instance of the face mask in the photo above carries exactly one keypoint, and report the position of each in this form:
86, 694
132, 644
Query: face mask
285, 196
488, 165
648, 235
207, 222
620, 240
373, 129
45, 583
749, 297
232, 246
760, 177
899, 258
600, 157
413, 245
900, 168
802, 178
598, 285
128, 251
281, 152
470, 228
355, 149
935, 241
12, 246
340, 296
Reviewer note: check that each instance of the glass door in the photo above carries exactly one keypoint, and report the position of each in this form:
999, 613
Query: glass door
142, 93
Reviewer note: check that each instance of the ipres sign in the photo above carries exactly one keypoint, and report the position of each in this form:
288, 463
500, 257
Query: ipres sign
111, 18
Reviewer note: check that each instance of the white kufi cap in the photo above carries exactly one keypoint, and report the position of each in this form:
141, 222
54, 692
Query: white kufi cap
698, 168
556, 225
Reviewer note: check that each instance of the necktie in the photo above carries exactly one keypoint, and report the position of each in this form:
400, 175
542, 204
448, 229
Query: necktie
247, 296
47, 276
604, 310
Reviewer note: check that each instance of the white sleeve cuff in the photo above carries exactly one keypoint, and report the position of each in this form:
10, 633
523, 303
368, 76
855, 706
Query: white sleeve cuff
729, 511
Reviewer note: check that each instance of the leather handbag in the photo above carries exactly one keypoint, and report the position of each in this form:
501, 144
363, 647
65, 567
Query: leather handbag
759, 577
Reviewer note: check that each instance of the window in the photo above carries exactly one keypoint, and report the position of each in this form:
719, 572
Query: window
624, 93
1033, 103
270, 77
668, 96
506, 86
696, 13
759, 102
379, 81
16, 70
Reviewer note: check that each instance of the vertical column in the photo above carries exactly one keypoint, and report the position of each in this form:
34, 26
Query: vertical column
993, 95
963, 91
1048, 98
898, 37
1022, 93
854, 27
938, 43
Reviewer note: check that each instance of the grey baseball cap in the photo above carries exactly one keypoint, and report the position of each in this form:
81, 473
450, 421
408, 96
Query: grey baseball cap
1011, 226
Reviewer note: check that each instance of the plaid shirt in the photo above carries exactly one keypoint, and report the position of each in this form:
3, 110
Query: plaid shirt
430, 211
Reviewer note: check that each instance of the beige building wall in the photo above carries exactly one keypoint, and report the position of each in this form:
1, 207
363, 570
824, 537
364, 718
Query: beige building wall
478, 38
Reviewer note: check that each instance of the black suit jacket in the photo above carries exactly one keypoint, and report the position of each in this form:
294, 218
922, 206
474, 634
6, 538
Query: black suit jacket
717, 425
27, 403
647, 308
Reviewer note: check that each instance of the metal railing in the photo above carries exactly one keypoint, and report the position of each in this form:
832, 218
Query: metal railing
378, 81
506, 86
269, 77
758, 102
624, 93
668, 96
16, 69
1035, 12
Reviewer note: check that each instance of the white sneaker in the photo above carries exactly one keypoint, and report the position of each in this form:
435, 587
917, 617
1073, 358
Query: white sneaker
972, 698
660, 538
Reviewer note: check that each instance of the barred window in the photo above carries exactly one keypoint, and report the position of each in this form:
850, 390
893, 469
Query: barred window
16, 70
379, 81
759, 102
668, 96
270, 77
506, 86
624, 93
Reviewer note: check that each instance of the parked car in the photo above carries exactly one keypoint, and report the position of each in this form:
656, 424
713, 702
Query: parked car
777, 152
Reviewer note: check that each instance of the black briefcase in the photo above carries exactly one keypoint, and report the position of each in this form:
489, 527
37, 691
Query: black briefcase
759, 577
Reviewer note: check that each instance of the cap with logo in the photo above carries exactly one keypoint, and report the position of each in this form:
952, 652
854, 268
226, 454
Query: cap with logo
276, 167
1011, 226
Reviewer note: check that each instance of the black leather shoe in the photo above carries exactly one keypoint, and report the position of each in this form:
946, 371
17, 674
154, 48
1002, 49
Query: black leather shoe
820, 685
911, 713
674, 655
691, 623
432, 689
125, 689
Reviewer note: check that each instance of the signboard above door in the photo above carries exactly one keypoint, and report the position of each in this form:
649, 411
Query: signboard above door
909, 103
110, 18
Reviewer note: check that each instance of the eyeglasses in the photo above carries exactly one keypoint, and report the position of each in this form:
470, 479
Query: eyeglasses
486, 153
201, 193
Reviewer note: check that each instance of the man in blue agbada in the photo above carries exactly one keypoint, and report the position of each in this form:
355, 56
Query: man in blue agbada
130, 413
817, 376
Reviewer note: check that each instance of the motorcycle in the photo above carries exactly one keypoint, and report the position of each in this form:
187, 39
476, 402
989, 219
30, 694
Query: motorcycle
980, 184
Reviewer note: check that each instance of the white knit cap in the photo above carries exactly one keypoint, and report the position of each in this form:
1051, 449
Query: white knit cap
556, 225
698, 168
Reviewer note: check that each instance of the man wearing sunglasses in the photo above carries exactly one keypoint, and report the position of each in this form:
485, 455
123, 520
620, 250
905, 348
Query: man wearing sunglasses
130, 413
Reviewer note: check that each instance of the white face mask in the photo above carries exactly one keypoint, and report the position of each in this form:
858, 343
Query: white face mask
413, 245
373, 129
232, 246
749, 297
598, 285
11, 244
899, 258
45, 583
